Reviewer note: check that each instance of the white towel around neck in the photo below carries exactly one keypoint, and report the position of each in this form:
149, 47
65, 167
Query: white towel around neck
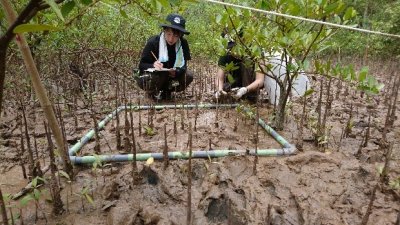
163, 52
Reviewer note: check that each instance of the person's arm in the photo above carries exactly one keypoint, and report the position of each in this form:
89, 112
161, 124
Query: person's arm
147, 60
219, 83
258, 83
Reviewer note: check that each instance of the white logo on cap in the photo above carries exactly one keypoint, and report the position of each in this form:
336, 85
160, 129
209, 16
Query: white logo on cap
177, 20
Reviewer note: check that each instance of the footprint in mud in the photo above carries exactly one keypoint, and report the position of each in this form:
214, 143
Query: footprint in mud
217, 210
149, 176
220, 211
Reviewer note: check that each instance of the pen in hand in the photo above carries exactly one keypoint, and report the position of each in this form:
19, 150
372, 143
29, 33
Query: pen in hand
157, 64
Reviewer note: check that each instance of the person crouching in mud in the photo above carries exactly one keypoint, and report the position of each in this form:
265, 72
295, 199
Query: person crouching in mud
243, 80
163, 63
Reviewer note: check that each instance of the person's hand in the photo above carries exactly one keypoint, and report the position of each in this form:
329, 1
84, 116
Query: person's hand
219, 94
158, 65
240, 92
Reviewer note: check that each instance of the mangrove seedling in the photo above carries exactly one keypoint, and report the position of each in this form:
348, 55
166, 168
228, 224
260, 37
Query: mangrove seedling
149, 131
35, 196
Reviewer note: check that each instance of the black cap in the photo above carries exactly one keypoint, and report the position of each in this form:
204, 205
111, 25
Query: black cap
176, 22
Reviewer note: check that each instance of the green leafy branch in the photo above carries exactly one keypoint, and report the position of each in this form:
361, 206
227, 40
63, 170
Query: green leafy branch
361, 79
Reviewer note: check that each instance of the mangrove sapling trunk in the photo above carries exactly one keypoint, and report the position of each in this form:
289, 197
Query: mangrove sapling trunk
117, 128
339, 88
280, 113
133, 148
383, 143
398, 219
367, 132
387, 91
165, 150
299, 144
54, 187
21, 155
229, 214
3, 209
12, 216
385, 171
196, 114
175, 129
189, 191
394, 96
369, 209
182, 116
75, 108
318, 134
328, 105
94, 120
31, 163
35, 145
140, 120
96, 134
152, 113
68, 168
359, 151
216, 114
127, 147
235, 125
349, 124
256, 141
21, 218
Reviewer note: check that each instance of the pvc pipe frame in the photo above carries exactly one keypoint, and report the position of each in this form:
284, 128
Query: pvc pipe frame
287, 149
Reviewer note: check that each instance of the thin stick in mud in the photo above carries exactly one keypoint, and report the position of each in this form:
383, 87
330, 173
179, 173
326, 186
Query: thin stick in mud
133, 147
299, 143
165, 151
369, 209
31, 165
118, 133
256, 134
189, 191
140, 120
21, 156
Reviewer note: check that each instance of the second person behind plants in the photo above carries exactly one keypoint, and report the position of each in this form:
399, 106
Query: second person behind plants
237, 74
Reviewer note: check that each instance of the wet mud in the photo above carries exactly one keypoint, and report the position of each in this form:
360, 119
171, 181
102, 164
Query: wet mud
319, 185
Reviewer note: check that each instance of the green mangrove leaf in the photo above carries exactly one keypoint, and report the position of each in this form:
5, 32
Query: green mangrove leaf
26, 199
89, 198
308, 92
231, 80
64, 174
86, 2
67, 8
23, 28
55, 8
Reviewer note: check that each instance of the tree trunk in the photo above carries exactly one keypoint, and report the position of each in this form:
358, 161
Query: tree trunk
57, 202
280, 113
39, 89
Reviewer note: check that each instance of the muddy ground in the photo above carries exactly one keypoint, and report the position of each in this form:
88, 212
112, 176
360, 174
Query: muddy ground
330, 184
